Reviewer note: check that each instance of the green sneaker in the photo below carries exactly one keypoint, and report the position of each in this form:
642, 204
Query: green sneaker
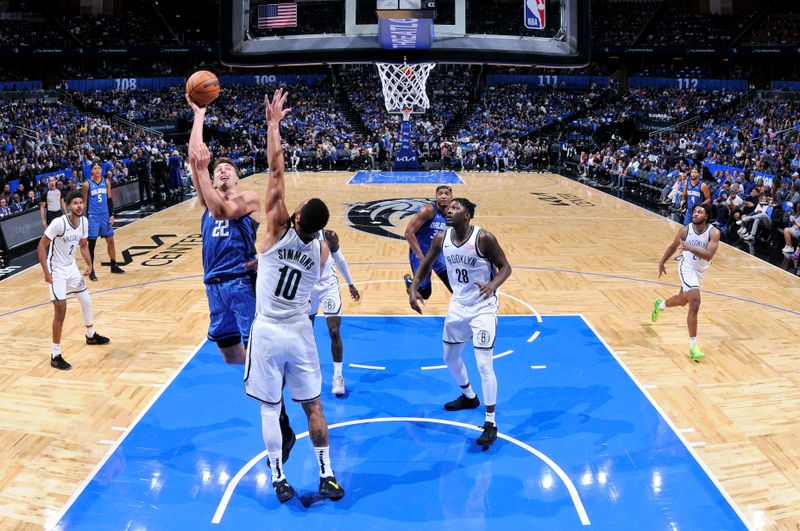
695, 354
656, 310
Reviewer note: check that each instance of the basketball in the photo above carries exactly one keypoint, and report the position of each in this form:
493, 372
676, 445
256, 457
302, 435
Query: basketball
202, 87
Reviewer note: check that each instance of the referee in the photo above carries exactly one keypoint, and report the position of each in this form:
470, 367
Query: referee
51, 204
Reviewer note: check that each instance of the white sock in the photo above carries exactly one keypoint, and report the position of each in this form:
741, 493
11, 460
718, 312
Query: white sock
467, 391
490, 417
692, 342
324, 461
276, 466
662, 305
90, 331
56, 350
337, 368
271, 432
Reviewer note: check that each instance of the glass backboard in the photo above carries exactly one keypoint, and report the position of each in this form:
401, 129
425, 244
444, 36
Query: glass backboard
514, 32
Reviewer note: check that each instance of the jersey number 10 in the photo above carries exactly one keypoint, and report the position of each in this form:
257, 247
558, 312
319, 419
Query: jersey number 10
287, 284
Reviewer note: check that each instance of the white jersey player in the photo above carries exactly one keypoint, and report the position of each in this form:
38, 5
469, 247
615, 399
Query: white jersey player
61, 240
698, 242
476, 267
282, 344
326, 294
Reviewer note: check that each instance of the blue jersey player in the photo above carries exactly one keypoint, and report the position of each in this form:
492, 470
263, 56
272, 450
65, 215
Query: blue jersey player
228, 225
423, 227
695, 192
100, 211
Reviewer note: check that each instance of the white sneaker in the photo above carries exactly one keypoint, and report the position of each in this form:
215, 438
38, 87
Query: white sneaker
788, 249
338, 386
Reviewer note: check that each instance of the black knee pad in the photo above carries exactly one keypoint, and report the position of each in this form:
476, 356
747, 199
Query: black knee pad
229, 342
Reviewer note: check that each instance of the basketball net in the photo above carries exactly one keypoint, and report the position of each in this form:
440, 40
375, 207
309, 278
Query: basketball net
404, 87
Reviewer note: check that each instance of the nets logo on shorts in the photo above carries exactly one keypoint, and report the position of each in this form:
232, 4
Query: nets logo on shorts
330, 306
385, 217
483, 337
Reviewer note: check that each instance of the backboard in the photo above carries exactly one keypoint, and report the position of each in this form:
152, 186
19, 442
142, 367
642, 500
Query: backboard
312, 32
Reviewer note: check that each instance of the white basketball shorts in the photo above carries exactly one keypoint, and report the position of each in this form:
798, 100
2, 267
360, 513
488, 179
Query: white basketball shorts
278, 349
478, 323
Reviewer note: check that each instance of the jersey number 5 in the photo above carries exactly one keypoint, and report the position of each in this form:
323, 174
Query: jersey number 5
220, 229
287, 284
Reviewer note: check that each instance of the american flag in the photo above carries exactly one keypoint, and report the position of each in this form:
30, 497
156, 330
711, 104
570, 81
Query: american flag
277, 16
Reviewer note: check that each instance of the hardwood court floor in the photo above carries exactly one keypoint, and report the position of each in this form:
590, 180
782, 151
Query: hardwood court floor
573, 249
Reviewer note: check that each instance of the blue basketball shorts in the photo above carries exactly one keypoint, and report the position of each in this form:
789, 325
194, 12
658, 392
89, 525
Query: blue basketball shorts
438, 266
100, 226
232, 308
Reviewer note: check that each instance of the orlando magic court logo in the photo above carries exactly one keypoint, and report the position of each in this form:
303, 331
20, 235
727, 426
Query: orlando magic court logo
384, 217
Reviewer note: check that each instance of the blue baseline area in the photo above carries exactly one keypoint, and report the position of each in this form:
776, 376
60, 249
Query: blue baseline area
405, 177
628, 467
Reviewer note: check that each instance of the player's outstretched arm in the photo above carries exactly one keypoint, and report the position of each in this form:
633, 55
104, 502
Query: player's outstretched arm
332, 239
195, 139
275, 198
414, 298
490, 247
662, 270
424, 215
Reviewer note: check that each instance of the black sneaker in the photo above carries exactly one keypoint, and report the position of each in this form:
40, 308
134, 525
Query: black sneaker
330, 489
60, 363
97, 339
288, 444
462, 402
117, 270
488, 436
283, 490
408, 279
92, 276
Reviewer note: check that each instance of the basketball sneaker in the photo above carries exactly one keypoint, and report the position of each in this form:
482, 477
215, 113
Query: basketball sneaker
283, 490
330, 489
489, 435
656, 309
117, 270
462, 402
92, 276
97, 339
695, 354
338, 386
408, 279
60, 363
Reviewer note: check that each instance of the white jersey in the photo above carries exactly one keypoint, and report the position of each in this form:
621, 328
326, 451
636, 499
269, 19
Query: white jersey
328, 276
66, 239
697, 240
466, 265
286, 275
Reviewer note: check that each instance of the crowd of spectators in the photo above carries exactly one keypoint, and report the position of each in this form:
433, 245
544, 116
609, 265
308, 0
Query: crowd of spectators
781, 25
678, 27
134, 26
618, 23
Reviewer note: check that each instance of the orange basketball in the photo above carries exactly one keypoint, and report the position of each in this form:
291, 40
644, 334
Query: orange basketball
202, 87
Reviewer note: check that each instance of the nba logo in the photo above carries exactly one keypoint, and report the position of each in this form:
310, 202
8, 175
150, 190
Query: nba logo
534, 14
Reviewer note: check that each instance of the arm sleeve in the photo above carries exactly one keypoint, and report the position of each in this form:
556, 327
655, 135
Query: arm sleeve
342, 265
110, 205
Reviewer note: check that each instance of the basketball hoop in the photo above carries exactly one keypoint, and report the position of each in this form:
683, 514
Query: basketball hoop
404, 86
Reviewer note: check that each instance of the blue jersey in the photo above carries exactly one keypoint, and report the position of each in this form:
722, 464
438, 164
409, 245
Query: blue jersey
98, 199
227, 245
428, 231
694, 196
